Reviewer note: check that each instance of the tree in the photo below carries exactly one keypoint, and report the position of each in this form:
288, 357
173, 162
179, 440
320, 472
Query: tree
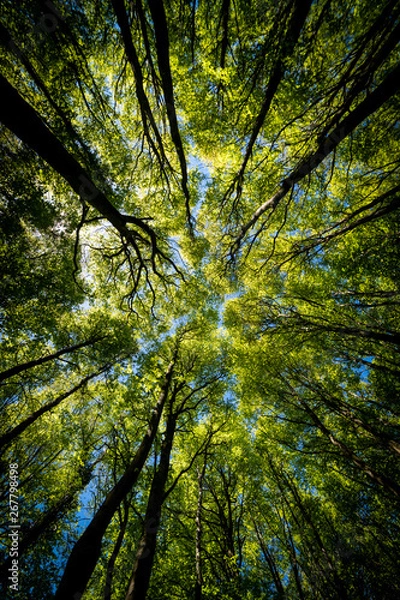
87, 549
199, 301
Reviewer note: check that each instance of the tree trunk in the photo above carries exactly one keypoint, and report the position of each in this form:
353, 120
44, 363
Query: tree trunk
371, 103
159, 17
296, 23
8, 437
34, 533
270, 561
198, 593
114, 555
338, 583
20, 118
388, 484
341, 407
131, 54
140, 580
293, 558
87, 549
44, 359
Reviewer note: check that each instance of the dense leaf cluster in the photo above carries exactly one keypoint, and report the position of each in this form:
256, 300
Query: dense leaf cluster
199, 298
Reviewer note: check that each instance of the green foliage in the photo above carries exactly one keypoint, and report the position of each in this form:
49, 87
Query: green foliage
217, 195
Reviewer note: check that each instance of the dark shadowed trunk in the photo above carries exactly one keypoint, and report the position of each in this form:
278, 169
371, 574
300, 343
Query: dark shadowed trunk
269, 559
386, 482
44, 359
139, 583
198, 593
370, 104
39, 528
114, 555
8, 437
22, 119
86, 551
163, 57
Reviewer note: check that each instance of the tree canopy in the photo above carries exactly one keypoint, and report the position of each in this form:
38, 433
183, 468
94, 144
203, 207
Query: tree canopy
200, 299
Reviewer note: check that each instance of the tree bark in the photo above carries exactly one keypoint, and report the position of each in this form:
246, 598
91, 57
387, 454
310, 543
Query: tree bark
140, 579
386, 482
342, 408
297, 20
46, 520
8, 437
198, 592
338, 583
270, 562
371, 103
114, 555
87, 549
20, 118
44, 359
131, 54
162, 47
293, 558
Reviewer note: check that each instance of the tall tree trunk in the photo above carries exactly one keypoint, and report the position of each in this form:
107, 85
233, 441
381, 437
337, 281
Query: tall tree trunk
369, 105
22, 119
295, 25
111, 562
8, 437
87, 549
386, 482
343, 409
46, 520
270, 561
293, 558
44, 359
325, 568
198, 593
160, 25
139, 583
131, 54
338, 583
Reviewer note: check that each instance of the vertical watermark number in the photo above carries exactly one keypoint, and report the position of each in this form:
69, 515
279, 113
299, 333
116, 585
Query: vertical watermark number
13, 577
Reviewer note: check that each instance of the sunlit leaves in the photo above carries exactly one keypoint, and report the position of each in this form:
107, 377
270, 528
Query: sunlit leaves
279, 308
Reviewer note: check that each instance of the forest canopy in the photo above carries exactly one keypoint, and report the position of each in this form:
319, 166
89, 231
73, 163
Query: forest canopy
200, 299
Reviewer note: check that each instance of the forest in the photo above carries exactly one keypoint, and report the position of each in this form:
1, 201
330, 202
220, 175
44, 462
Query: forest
200, 299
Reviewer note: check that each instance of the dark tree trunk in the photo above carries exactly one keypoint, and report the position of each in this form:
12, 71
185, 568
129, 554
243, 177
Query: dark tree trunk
344, 410
44, 359
371, 103
386, 482
224, 16
270, 561
293, 560
198, 593
87, 549
8, 437
139, 583
114, 555
338, 583
131, 54
20, 118
162, 47
40, 527
296, 23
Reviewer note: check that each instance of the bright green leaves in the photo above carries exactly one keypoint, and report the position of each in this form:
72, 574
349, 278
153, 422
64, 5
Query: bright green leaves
280, 309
